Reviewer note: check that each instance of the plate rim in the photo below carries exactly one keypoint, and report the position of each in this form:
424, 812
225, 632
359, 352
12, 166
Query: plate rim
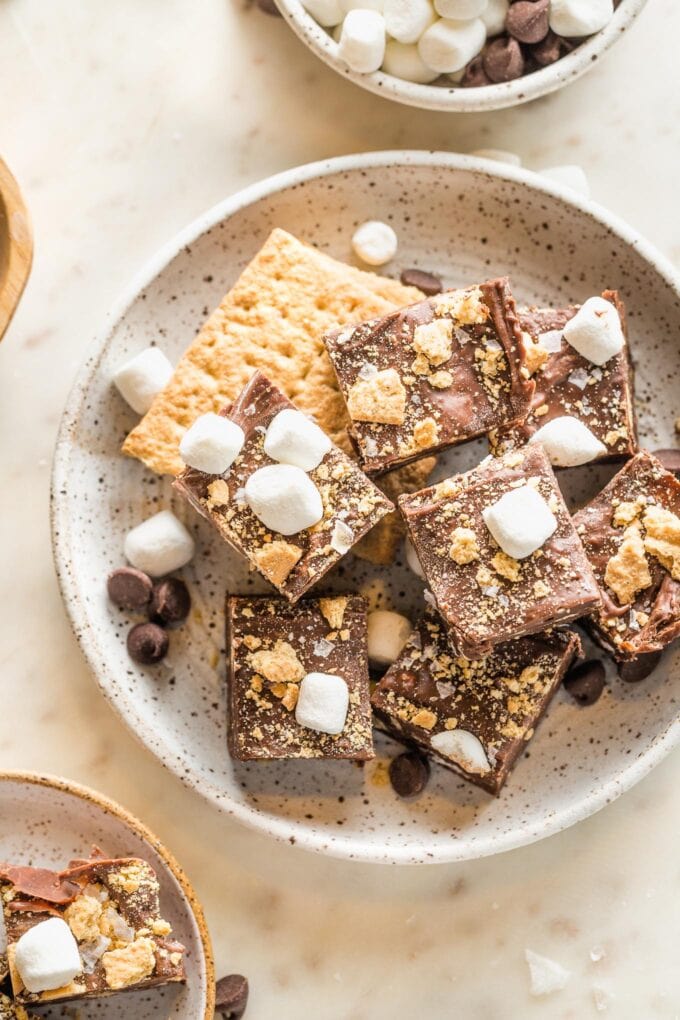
282, 829
112, 807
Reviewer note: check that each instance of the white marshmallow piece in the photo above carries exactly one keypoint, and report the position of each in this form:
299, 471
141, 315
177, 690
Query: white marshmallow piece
328, 13
159, 545
284, 498
362, 41
494, 16
546, 975
463, 748
520, 521
595, 331
47, 956
460, 10
322, 703
387, 635
292, 438
404, 61
212, 444
412, 558
141, 378
576, 18
498, 156
568, 442
569, 176
375, 243
448, 46
406, 20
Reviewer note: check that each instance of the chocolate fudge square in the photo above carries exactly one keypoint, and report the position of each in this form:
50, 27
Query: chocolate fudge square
111, 906
485, 595
273, 647
601, 397
475, 717
432, 375
292, 563
631, 535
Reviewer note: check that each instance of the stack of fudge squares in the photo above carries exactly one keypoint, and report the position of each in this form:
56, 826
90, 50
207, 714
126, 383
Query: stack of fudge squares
295, 428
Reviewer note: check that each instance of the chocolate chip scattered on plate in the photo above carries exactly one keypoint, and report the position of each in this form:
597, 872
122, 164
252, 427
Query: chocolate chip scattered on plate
409, 774
231, 996
585, 681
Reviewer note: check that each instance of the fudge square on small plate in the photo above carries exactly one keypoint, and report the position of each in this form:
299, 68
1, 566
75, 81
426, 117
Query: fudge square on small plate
475, 717
344, 503
631, 535
499, 551
86, 932
432, 375
298, 682
596, 399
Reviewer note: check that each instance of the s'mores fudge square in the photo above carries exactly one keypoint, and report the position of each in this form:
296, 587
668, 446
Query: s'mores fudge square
582, 410
631, 535
474, 717
290, 500
432, 375
86, 932
298, 683
499, 551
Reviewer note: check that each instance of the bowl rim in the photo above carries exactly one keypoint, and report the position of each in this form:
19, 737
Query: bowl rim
125, 707
461, 100
111, 807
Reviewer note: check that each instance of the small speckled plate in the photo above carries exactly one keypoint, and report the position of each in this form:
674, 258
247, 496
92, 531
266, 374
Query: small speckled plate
48, 821
466, 219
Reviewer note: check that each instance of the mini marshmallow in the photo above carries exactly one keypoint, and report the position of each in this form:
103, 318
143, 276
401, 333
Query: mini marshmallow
404, 61
327, 12
284, 498
212, 444
576, 18
141, 378
520, 521
406, 20
595, 331
322, 703
387, 635
546, 975
292, 438
448, 46
47, 956
569, 176
159, 545
464, 748
362, 41
498, 155
460, 10
494, 16
412, 558
568, 442
375, 243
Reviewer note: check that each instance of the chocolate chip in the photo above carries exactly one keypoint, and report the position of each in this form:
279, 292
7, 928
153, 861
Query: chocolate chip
427, 282
503, 60
147, 643
639, 669
409, 774
231, 996
549, 49
527, 20
475, 76
170, 602
585, 682
670, 459
129, 588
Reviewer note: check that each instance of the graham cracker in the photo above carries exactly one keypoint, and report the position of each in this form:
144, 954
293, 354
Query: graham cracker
380, 545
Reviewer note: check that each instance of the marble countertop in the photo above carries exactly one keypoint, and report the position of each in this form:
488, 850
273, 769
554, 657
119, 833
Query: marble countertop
123, 122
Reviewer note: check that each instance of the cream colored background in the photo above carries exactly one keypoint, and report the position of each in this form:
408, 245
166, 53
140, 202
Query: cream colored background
123, 121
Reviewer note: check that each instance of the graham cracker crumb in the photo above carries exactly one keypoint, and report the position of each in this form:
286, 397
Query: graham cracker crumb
218, 494
466, 306
506, 566
425, 433
663, 538
625, 513
279, 664
131, 964
381, 399
541, 589
82, 917
276, 560
534, 354
333, 610
440, 380
433, 339
464, 547
627, 571
424, 718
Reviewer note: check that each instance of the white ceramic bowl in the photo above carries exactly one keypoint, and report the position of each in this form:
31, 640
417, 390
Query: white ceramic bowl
454, 98
466, 219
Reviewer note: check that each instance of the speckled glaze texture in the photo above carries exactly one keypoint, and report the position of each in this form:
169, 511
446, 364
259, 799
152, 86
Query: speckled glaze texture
466, 220
48, 821
455, 98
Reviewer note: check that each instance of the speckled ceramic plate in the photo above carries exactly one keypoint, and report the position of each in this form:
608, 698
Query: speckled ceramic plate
465, 219
47, 821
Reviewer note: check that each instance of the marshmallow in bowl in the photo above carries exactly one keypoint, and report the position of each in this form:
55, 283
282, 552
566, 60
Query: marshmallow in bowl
211, 444
159, 545
47, 957
284, 498
460, 10
595, 331
494, 15
568, 442
569, 176
375, 243
406, 20
328, 13
141, 378
323, 702
577, 18
404, 61
412, 558
362, 41
464, 748
388, 632
449, 45
520, 521
292, 438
